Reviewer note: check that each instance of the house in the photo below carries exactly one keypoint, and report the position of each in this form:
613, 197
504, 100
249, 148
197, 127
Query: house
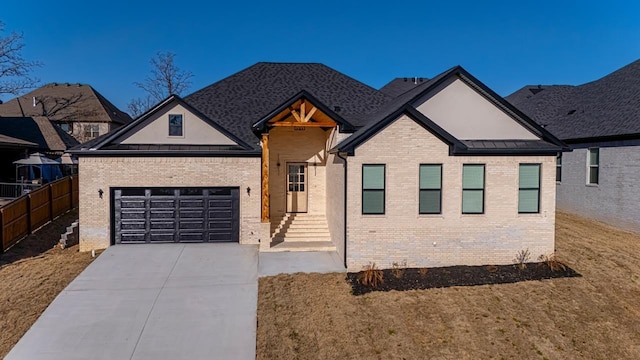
21, 136
302, 157
77, 109
600, 121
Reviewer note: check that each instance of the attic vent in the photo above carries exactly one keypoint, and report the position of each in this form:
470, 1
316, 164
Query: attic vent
571, 112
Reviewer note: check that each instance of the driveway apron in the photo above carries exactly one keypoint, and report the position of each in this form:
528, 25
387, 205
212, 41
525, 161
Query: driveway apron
159, 301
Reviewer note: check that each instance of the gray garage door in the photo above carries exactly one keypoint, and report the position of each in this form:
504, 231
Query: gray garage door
158, 215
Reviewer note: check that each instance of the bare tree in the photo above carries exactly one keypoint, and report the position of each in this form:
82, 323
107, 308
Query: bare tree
165, 79
14, 69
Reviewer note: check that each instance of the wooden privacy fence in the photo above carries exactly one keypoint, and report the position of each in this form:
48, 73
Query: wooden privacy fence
29, 212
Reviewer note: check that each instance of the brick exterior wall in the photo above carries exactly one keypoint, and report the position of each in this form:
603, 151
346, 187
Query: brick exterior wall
335, 194
451, 238
107, 172
615, 199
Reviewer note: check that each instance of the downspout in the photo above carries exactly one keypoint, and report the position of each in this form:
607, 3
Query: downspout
345, 207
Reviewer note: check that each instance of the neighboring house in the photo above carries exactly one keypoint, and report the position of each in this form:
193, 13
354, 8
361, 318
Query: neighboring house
77, 109
21, 136
302, 157
600, 121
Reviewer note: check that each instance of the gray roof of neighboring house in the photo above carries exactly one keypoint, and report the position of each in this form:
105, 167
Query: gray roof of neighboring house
8, 141
606, 108
238, 101
65, 102
400, 86
38, 130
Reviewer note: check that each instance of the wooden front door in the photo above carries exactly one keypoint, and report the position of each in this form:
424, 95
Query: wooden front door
297, 187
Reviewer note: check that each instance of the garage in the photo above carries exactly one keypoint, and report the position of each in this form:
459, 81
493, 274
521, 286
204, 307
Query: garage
167, 215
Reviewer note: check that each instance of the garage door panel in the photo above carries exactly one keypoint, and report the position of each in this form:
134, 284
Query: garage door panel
191, 214
155, 236
130, 203
133, 237
159, 204
186, 225
176, 215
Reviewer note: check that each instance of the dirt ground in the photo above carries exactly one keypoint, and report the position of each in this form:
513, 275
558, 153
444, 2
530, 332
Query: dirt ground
32, 273
596, 316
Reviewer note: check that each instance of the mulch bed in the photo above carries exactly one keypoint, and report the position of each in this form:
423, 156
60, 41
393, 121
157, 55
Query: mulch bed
441, 277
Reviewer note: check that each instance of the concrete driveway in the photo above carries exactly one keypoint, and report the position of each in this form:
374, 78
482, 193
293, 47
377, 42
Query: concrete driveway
170, 301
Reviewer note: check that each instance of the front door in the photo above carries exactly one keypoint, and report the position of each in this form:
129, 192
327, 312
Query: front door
297, 187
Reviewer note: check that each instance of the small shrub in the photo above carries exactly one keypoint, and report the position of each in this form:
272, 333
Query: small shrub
423, 272
552, 262
397, 269
371, 276
521, 258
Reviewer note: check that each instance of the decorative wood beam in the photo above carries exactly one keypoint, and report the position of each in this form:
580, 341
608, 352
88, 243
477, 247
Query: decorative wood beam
310, 114
265, 178
307, 124
295, 114
303, 113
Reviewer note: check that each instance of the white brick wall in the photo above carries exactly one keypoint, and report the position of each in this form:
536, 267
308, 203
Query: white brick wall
335, 195
449, 238
107, 172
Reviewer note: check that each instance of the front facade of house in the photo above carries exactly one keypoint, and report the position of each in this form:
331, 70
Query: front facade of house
599, 121
444, 174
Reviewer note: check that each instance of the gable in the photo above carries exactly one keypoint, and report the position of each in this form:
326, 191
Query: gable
467, 115
155, 130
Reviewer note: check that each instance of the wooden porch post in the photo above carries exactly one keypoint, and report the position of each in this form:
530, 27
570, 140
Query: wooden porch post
265, 177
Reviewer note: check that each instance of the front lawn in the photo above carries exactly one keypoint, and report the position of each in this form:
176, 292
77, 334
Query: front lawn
596, 316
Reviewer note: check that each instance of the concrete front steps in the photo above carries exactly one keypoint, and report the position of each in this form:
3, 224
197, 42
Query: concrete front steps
301, 232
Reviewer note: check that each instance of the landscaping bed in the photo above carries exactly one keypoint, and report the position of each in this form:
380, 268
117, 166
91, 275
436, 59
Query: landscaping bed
426, 278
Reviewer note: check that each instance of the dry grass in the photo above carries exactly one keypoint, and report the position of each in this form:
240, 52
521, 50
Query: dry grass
596, 316
32, 273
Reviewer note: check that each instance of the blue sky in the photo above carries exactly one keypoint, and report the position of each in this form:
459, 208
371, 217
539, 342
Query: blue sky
505, 44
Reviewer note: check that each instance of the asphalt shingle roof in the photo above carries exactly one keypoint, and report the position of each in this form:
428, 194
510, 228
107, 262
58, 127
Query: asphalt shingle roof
38, 130
399, 86
65, 102
240, 100
607, 107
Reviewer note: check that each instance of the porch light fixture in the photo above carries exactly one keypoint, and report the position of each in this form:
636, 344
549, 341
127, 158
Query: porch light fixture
100, 192
248, 191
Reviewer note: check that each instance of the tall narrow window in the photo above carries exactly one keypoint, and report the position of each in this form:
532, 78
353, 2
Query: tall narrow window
559, 167
175, 125
529, 189
594, 165
473, 189
431, 189
373, 179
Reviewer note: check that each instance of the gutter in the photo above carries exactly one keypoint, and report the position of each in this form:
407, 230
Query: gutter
345, 207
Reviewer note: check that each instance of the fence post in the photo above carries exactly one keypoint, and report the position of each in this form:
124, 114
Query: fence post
29, 214
50, 202
2, 231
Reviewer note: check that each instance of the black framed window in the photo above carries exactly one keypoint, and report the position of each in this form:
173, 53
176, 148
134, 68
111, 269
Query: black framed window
594, 167
175, 125
473, 189
529, 189
430, 189
559, 167
373, 183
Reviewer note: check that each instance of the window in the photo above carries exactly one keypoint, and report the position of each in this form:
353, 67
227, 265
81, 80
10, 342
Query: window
473, 189
65, 127
430, 189
91, 131
529, 189
593, 169
559, 167
175, 125
373, 189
